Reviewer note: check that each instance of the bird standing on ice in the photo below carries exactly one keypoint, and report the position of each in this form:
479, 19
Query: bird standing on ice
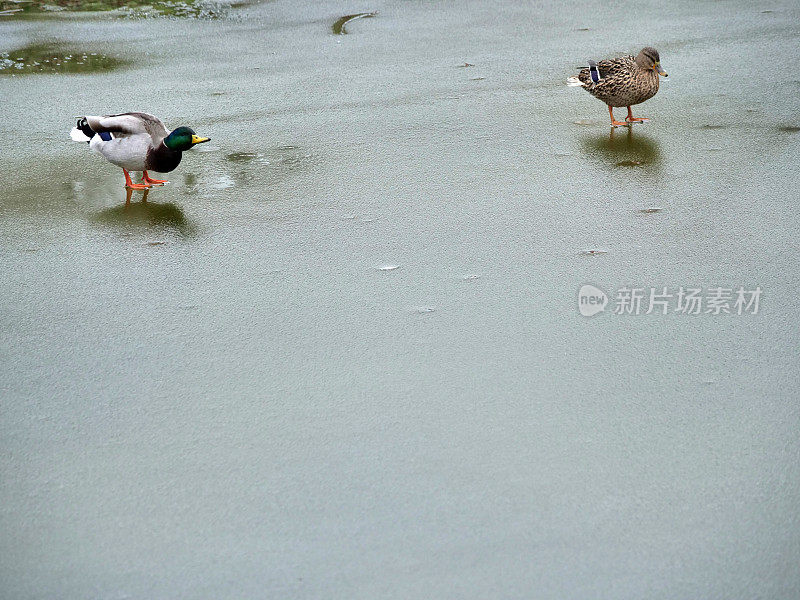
622, 81
136, 142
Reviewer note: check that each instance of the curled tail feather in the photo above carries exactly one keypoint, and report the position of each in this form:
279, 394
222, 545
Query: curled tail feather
81, 132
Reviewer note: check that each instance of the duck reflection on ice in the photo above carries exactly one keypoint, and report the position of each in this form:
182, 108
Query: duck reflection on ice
146, 214
624, 148
129, 194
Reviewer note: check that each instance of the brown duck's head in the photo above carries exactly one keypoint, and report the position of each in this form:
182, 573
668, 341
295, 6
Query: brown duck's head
648, 59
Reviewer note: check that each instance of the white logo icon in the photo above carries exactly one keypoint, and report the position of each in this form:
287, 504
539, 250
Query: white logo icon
591, 300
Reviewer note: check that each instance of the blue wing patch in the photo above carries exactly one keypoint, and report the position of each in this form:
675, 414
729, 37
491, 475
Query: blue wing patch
594, 72
105, 136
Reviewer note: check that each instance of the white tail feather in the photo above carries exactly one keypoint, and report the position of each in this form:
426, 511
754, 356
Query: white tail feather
78, 136
574, 82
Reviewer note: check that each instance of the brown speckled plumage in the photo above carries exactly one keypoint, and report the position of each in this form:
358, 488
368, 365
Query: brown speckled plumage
626, 80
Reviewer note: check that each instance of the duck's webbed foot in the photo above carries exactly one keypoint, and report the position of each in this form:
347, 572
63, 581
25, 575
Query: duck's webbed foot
631, 119
134, 186
147, 179
613, 122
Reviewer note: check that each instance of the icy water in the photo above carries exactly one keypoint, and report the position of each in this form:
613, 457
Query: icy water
340, 354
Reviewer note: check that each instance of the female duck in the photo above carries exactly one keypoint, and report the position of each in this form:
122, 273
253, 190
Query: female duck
622, 81
136, 142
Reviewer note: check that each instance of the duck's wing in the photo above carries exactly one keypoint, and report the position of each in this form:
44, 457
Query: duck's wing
128, 124
614, 66
608, 69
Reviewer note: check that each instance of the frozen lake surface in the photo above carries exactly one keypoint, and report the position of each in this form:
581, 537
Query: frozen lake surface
339, 356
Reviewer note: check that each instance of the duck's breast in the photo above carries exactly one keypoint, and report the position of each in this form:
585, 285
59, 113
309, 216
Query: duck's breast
162, 159
648, 86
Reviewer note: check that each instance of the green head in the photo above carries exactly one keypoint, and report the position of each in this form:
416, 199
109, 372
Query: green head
182, 139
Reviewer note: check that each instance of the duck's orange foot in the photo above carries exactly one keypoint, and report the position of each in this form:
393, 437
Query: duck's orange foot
134, 186
147, 179
613, 122
631, 119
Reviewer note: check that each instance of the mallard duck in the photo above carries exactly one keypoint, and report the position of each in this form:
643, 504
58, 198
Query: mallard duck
622, 81
136, 141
